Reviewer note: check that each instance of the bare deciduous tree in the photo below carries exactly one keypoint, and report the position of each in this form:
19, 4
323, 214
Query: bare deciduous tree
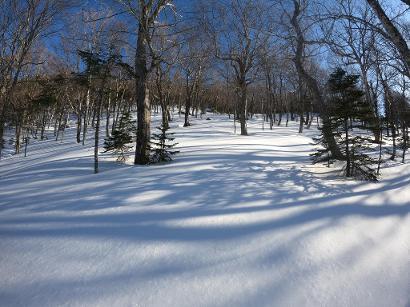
300, 51
238, 31
22, 23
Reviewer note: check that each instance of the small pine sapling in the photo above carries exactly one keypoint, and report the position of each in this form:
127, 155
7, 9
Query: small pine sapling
162, 146
122, 137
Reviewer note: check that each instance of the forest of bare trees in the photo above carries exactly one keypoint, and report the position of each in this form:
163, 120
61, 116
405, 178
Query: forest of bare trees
64, 61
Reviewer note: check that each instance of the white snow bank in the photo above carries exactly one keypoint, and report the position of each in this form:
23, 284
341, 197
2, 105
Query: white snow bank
233, 221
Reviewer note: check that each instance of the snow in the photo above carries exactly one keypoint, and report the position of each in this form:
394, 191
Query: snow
233, 221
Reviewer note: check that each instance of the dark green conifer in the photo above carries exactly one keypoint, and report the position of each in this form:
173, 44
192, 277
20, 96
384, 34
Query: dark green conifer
350, 117
162, 146
121, 139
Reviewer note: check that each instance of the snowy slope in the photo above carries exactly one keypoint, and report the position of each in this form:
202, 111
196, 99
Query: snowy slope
233, 221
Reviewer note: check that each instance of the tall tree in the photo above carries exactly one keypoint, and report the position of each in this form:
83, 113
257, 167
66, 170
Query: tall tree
348, 109
147, 16
311, 82
238, 31
354, 42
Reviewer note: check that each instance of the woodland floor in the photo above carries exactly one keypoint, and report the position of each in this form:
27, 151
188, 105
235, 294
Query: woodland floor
233, 221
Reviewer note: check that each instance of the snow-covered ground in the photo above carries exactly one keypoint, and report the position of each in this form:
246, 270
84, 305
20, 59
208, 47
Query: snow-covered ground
233, 221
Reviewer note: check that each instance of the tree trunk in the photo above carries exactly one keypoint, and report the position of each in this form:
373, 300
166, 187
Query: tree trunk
142, 150
394, 135
43, 125
348, 162
87, 105
26, 144
144, 124
78, 136
165, 115
187, 103
108, 115
64, 125
380, 152
242, 109
97, 113
312, 84
404, 132
18, 136
97, 136
301, 122
60, 118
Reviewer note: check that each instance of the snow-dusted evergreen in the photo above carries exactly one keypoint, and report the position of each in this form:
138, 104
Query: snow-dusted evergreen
351, 121
121, 139
162, 145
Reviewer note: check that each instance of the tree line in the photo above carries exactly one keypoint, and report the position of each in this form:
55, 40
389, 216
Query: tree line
63, 61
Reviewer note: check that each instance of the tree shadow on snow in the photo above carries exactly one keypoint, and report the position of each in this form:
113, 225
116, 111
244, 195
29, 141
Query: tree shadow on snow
218, 184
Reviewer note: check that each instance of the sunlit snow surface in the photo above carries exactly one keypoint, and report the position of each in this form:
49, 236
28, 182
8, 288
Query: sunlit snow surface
233, 221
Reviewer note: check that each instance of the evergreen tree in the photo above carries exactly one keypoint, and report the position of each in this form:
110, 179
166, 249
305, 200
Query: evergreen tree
350, 117
403, 107
163, 148
121, 139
